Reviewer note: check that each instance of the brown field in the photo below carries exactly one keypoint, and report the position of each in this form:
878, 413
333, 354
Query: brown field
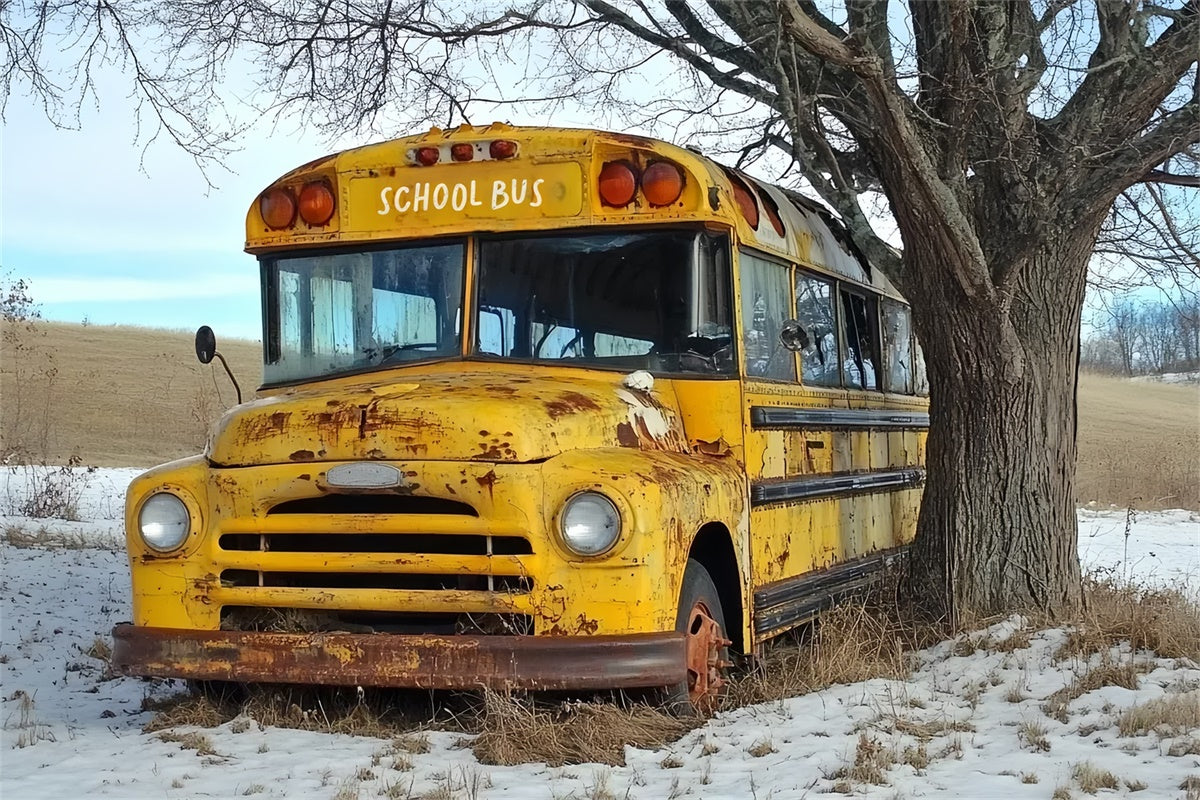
114, 396
125, 396
1139, 443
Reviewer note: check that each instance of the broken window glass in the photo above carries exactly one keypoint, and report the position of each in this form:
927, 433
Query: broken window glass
658, 301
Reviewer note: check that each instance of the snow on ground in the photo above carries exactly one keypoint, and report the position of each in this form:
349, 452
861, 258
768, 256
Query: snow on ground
962, 725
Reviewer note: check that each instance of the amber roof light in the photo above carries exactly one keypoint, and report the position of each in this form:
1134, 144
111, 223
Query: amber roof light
662, 183
617, 184
316, 203
278, 208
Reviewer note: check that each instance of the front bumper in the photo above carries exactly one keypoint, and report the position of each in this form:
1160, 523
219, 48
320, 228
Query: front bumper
403, 661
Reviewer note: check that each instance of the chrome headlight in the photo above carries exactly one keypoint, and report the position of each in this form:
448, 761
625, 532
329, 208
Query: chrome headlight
590, 524
164, 522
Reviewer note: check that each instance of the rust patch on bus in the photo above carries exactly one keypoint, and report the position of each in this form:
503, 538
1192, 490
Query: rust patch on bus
302, 455
633, 141
626, 436
570, 403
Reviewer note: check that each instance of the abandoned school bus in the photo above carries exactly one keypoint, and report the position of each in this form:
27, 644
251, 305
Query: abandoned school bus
542, 408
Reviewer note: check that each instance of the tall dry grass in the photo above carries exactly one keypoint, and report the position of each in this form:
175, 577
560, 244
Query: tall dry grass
1138, 443
113, 395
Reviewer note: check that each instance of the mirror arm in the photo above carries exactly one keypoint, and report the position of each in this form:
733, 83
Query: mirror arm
232, 379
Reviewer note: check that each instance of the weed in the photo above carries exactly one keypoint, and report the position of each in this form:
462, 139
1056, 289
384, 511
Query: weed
1106, 674
1166, 621
1029, 777
1033, 736
1092, 779
762, 747
516, 731
1169, 715
190, 741
871, 760
862, 638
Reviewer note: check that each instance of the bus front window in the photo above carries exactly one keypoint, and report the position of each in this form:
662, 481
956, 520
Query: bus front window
658, 301
348, 312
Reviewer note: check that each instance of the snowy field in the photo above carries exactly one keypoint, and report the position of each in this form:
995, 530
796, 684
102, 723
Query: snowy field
959, 726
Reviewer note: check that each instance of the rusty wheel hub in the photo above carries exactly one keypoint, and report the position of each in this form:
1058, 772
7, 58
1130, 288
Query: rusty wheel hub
705, 667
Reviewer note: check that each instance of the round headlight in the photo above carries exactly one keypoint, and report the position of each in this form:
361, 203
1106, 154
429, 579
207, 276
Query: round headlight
164, 521
590, 524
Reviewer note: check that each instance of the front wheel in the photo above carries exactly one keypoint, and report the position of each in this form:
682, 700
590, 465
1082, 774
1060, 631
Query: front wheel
702, 620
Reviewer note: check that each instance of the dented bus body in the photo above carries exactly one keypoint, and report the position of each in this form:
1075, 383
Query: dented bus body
542, 408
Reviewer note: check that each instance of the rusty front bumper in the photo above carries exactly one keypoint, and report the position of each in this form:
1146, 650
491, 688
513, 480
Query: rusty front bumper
426, 662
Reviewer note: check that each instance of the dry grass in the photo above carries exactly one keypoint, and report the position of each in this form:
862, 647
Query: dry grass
1092, 779
190, 741
1106, 674
1138, 443
383, 714
864, 638
517, 732
1166, 621
872, 759
120, 396
1170, 715
1033, 736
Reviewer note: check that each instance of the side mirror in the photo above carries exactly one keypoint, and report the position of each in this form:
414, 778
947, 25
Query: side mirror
793, 336
206, 351
206, 344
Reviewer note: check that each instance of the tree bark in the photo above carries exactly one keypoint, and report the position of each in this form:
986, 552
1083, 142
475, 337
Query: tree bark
997, 529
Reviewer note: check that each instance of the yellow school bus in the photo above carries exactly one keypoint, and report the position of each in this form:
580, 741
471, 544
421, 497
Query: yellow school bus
542, 409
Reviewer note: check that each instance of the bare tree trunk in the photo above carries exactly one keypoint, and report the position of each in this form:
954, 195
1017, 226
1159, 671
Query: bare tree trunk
997, 529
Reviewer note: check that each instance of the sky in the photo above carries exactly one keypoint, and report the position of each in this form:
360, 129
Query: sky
108, 231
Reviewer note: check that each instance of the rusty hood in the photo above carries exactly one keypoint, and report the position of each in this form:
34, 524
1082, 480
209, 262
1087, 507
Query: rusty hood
486, 415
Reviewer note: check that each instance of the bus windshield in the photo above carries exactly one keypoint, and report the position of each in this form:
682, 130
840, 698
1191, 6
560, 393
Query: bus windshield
656, 300
349, 312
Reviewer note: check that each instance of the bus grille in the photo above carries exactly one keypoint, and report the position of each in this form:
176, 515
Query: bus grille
373, 563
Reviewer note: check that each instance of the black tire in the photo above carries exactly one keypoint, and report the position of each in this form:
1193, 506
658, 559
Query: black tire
697, 589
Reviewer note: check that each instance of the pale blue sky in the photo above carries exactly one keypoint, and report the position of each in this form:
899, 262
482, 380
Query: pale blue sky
109, 231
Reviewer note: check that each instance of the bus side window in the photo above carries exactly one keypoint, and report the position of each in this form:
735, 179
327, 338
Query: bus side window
920, 376
860, 364
897, 349
766, 305
816, 313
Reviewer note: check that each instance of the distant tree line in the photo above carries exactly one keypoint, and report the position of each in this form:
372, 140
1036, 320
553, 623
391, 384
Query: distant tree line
1143, 338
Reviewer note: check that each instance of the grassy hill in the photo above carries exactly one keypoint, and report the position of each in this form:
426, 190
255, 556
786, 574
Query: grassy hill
114, 396
1138, 443
125, 396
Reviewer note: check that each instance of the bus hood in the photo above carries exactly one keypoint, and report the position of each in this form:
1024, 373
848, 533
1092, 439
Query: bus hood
491, 416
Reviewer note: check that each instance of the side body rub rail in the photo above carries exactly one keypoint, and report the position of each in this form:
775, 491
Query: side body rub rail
825, 418
809, 487
793, 601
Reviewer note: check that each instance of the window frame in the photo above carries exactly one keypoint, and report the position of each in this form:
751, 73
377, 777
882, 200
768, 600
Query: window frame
471, 352
742, 328
835, 298
269, 285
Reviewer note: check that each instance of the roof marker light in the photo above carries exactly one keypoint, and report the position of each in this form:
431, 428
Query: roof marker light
662, 183
462, 151
316, 203
502, 148
617, 184
278, 208
427, 156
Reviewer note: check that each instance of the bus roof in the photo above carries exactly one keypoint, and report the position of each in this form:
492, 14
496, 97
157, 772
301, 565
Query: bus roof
459, 181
